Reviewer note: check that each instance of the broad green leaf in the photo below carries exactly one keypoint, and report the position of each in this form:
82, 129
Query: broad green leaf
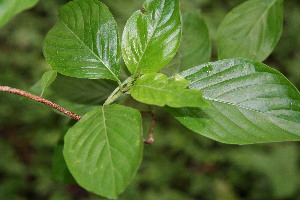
195, 47
151, 36
250, 103
251, 30
47, 78
157, 89
9, 8
83, 91
84, 43
104, 149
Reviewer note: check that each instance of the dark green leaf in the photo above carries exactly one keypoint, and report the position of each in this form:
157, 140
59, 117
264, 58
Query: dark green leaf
104, 149
250, 103
83, 91
251, 30
84, 43
9, 8
47, 78
195, 45
151, 36
157, 89
60, 171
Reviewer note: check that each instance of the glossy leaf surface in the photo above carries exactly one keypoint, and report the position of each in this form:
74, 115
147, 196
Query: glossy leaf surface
84, 43
157, 89
250, 103
195, 47
251, 30
47, 78
9, 8
151, 36
104, 149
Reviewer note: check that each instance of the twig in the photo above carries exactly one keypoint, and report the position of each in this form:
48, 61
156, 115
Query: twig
151, 134
41, 100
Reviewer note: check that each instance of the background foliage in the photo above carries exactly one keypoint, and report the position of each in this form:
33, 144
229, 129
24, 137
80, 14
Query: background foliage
179, 165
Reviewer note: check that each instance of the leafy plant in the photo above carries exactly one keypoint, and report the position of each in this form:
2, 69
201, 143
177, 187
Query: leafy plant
236, 101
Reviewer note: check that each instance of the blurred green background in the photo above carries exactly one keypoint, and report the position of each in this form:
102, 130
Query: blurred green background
180, 165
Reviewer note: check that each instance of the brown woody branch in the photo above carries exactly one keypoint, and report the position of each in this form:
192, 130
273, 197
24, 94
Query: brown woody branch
41, 100
151, 134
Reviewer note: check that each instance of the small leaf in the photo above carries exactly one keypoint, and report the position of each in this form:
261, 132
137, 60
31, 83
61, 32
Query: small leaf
157, 89
251, 30
47, 78
250, 103
84, 43
10, 8
195, 47
104, 149
151, 36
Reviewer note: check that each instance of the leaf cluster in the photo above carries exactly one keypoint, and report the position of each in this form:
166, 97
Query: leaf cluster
236, 100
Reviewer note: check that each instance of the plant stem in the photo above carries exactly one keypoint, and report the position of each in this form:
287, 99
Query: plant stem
151, 134
41, 100
119, 91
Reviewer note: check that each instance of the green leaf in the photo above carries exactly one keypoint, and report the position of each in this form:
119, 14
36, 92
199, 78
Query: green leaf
83, 91
84, 43
47, 78
250, 103
104, 149
195, 45
157, 89
60, 171
151, 36
251, 30
10, 8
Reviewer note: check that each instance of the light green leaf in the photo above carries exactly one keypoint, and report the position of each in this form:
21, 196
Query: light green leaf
84, 43
104, 149
83, 91
151, 36
47, 78
251, 30
195, 47
250, 103
157, 89
9, 8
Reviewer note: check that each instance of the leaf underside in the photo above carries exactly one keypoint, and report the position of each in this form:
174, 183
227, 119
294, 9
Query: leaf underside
251, 30
104, 149
151, 36
84, 43
250, 103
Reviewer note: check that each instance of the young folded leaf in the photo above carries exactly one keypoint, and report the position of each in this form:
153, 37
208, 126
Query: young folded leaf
250, 103
251, 30
47, 79
104, 149
157, 89
84, 43
152, 36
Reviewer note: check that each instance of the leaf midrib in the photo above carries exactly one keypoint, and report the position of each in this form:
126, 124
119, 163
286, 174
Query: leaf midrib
250, 109
151, 37
110, 154
87, 47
